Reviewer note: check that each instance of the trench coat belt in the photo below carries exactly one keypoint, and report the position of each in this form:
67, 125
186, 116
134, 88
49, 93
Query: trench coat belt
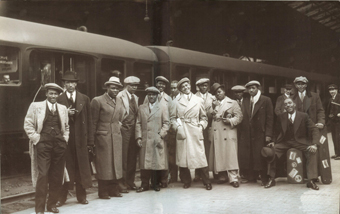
192, 120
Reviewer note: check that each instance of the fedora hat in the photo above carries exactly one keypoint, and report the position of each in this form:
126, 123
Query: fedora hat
70, 76
113, 80
268, 153
215, 86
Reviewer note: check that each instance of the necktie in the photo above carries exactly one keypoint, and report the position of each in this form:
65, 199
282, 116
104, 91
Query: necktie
133, 102
302, 97
290, 118
53, 109
251, 105
159, 97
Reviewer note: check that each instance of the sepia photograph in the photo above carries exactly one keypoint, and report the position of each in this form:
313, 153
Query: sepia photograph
170, 107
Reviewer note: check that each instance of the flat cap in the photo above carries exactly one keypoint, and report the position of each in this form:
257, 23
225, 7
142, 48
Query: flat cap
202, 80
238, 88
132, 80
289, 86
161, 78
253, 82
301, 79
183, 80
332, 86
152, 89
53, 86
114, 81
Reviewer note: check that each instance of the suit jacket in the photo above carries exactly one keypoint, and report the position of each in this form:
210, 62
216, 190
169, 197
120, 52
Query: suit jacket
165, 101
253, 131
305, 131
333, 109
83, 136
107, 116
125, 98
311, 105
152, 128
33, 125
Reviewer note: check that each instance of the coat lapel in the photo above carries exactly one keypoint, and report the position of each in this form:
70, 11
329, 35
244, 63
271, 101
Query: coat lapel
297, 121
284, 121
182, 100
109, 101
257, 105
41, 114
307, 103
80, 102
63, 100
191, 103
246, 106
153, 110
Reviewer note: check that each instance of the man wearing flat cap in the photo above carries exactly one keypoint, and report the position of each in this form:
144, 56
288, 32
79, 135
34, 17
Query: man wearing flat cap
151, 129
81, 139
208, 98
107, 115
256, 132
162, 96
238, 93
46, 125
279, 106
333, 118
130, 148
188, 120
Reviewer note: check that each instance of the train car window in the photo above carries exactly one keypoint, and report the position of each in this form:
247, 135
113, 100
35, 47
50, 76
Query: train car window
9, 63
242, 78
181, 72
108, 66
217, 76
144, 72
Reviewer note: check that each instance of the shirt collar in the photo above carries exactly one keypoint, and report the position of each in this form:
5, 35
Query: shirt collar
68, 94
304, 93
292, 116
50, 105
129, 95
151, 105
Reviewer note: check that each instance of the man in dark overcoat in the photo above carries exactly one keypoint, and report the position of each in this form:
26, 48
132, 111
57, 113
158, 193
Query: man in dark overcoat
333, 118
81, 139
256, 132
107, 113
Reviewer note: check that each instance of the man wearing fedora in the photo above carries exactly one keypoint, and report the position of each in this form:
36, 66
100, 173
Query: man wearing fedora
256, 132
188, 120
46, 125
151, 129
80, 141
333, 118
107, 115
130, 148
203, 87
279, 107
294, 130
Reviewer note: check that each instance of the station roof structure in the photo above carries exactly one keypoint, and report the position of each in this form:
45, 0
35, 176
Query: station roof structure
303, 35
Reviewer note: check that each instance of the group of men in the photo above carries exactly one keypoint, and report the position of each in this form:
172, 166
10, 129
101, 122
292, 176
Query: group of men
203, 131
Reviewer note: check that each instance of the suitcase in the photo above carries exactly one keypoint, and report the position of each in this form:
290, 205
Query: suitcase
295, 170
324, 163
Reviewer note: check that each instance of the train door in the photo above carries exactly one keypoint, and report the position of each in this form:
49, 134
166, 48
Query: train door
144, 71
47, 66
110, 67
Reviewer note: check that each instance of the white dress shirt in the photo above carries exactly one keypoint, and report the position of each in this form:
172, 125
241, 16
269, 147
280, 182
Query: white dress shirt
50, 106
68, 94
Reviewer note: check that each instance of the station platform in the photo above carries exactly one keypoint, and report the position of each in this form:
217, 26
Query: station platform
223, 198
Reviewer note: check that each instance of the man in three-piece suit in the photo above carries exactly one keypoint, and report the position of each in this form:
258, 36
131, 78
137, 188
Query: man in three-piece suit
333, 118
130, 148
107, 115
256, 132
46, 125
296, 130
151, 129
81, 139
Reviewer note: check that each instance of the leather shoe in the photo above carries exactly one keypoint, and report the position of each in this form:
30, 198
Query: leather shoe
163, 185
53, 210
334, 156
208, 187
60, 203
312, 185
157, 189
337, 158
235, 184
105, 197
186, 186
122, 188
116, 194
142, 189
84, 201
270, 183
132, 187
39, 212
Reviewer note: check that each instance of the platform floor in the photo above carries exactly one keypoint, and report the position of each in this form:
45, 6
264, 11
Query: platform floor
248, 198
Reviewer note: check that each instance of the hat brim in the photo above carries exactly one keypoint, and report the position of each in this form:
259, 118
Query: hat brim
264, 154
221, 86
54, 88
113, 83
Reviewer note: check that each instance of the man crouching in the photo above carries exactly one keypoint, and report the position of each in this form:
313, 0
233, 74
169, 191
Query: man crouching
296, 130
151, 127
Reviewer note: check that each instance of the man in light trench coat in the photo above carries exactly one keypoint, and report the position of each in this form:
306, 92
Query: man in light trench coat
189, 119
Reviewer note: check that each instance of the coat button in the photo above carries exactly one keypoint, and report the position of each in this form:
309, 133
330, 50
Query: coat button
225, 138
225, 129
214, 129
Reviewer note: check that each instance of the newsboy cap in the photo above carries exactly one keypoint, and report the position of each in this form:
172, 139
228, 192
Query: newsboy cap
183, 80
53, 86
132, 80
253, 82
113, 81
301, 79
239, 88
161, 78
332, 86
152, 89
70, 76
202, 80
